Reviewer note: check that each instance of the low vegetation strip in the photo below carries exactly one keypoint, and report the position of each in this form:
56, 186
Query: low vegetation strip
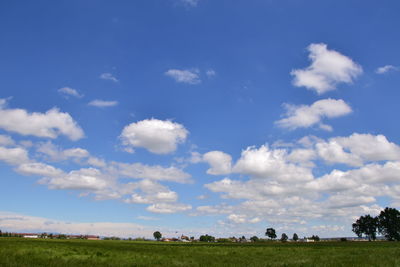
45, 252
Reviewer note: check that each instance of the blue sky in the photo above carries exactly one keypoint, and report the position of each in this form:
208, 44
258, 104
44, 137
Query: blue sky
198, 116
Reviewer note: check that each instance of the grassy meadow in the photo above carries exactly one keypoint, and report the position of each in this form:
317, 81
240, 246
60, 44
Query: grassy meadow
28, 252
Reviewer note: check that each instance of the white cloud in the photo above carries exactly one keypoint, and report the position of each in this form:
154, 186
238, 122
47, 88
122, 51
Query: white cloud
360, 147
168, 208
83, 179
102, 103
93, 161
220, 162
340, 201
155, 172
269, 188
270, 164
184, 76
241, 218
50, 124
169, 196
108, 76
6, 140
54, 153
371, 174
302, 156
333, 152
14, 156
237, 218
387, 68
328, 68
195, 157
157, 136
304, 116
67, 91
39, 169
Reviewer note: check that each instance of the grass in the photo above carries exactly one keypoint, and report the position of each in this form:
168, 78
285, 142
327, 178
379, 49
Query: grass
28, 252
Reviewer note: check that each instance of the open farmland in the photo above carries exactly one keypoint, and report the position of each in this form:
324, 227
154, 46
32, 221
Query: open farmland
24, 252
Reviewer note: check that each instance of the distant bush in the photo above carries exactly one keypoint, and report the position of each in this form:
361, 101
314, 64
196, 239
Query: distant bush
254, 239
207, 238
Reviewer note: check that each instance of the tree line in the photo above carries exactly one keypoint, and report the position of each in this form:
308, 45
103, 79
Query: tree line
387, 223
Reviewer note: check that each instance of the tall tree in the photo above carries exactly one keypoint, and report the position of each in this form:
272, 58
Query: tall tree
270, 232
295, 237
284, 237
366, 225
157, 235
389, 224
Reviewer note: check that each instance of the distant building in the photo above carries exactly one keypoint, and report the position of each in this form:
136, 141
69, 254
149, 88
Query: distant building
185, 238
92, 237
26, 235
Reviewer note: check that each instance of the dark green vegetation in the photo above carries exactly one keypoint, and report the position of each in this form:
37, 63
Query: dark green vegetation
387, 223
26, 252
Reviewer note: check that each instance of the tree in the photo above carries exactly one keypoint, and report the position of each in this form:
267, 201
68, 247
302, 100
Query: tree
157, 235
295, 237
284, 237
366, 225
254, 239
270, 232
389, 223
207, 238
315, 238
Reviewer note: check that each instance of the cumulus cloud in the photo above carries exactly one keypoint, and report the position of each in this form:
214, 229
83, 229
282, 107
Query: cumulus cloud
102, 103
302, 156
357, 149
83, 179
39, 169
328, 68
50, 124
270, 164
107, 181
158, 197
108, 76
270, 187
386, 68
184, 76
220, 162
55, 153
241, 218
157, 136
168, 208
154, 172
371, 174
14, 156
304, 116
67, 91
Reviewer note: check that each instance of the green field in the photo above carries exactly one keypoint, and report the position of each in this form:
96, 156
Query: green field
24, 252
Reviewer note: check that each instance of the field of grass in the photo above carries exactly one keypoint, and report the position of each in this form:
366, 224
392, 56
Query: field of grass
25, 252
